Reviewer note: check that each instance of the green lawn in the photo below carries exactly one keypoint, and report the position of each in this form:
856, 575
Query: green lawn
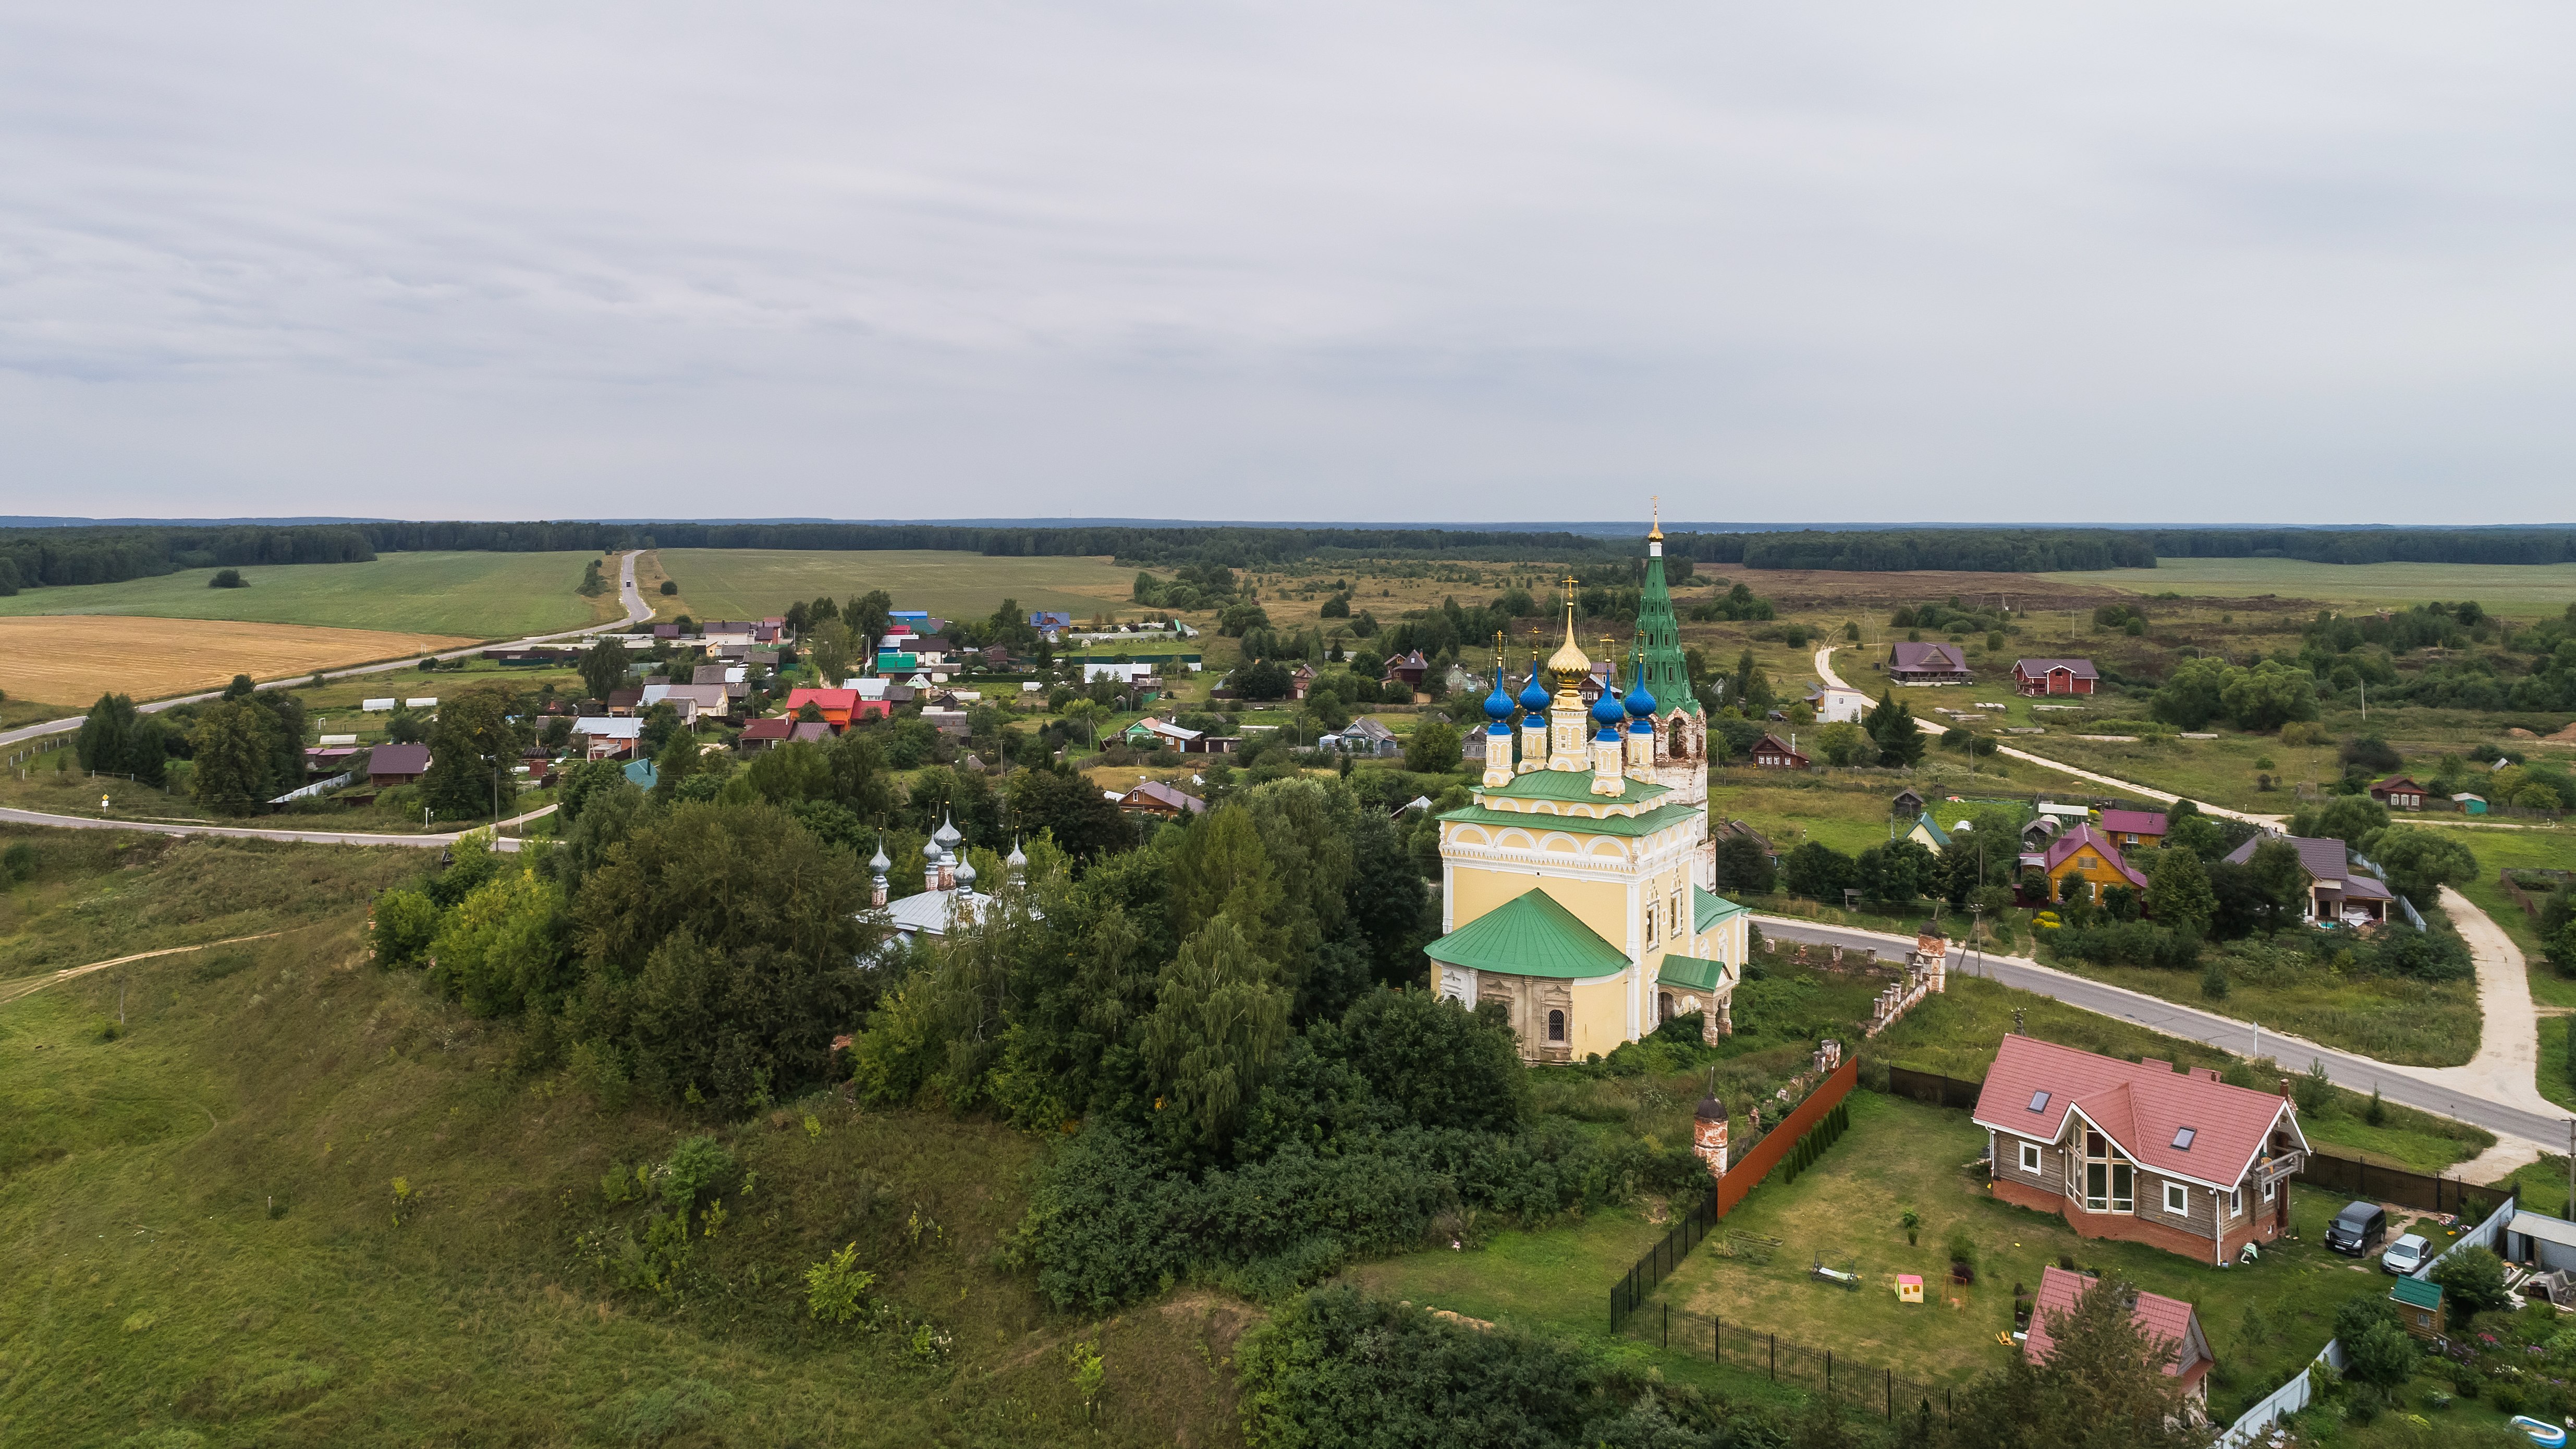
198, 1215
1901, 1155
753, 583
2514, 590
475, 595
2391, 1019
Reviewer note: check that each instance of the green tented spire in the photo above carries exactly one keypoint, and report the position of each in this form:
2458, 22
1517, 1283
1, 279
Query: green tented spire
1666, 677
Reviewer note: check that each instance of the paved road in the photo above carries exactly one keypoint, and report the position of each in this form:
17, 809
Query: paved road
637, 611
2410, 1086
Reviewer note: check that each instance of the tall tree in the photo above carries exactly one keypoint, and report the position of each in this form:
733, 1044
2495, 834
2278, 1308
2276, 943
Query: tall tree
472, 750
233, 757
1891, 725
2178, 892
1220, 1019
2281, 880
868, 616
603, 668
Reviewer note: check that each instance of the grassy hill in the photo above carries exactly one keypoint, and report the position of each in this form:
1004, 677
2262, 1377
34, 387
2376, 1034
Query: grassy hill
476, 595
203, 1222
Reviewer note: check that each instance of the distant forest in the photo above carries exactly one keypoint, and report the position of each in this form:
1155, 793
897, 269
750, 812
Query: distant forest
32, 557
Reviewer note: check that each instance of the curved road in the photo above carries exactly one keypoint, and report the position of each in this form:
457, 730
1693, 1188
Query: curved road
253, 832
2431, 1089
637, 611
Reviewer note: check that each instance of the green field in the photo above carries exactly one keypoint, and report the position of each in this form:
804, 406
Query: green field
475, 595
753, 583
2511, 589
199, 1214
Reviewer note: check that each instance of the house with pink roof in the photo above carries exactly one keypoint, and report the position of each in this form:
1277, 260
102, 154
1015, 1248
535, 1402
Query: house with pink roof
2138, 1151
2170, 1326
2087, 855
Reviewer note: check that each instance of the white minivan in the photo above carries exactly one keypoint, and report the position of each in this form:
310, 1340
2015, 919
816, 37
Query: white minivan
2405, 1255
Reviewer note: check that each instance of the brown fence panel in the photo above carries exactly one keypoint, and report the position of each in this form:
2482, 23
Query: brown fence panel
1933, 1087
1742, 1177
2356, 1178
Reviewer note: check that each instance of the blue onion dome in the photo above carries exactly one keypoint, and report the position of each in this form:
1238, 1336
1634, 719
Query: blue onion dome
1641, 705
1498, 705
1534, 693
1605, 710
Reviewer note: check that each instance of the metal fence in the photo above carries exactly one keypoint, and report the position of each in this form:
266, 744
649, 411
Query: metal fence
2391, 1184
1662, 1259
1934, 1088
1752, 1350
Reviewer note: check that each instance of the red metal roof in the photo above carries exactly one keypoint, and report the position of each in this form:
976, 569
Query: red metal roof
2160, 1319
766, 729
2133, 822
2085, 837
2138, 1105
822, 699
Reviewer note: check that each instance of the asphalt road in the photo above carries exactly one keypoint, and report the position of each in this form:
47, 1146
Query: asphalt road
2357, 1073
637, 611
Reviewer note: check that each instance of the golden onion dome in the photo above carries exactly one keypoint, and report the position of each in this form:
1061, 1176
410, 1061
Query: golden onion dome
1656, 534
1569, 664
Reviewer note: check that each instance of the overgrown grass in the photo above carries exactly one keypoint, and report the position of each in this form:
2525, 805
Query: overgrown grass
2387, 1018
201, 1221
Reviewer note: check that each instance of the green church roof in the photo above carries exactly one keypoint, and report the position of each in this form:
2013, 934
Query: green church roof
1531, 935
1707, 910
1667, 676
1690, 972
1645, 824
1570, 785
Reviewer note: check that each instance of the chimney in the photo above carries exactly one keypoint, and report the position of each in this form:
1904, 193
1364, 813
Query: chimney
2285, 1089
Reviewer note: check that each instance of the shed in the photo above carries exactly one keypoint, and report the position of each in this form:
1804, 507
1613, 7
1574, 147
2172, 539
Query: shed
2419, 1307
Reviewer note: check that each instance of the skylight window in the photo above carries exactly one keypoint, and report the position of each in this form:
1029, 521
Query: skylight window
2182, 1139
2039, 1101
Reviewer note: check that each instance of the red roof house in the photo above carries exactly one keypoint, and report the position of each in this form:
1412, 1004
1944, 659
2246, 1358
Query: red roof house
2087, 853
2397, 792
2138, 1151
1774, 753
2055, 676
2130, 829
2169, 1324
837, 705
763, 734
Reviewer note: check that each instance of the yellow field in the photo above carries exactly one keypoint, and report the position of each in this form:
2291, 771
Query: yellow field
73, 659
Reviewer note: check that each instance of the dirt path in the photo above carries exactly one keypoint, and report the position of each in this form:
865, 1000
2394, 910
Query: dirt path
20, 990
2507, 1065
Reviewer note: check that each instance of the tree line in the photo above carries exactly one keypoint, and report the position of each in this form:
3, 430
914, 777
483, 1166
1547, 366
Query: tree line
44, 557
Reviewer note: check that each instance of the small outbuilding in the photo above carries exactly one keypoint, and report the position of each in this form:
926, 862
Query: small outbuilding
2419, 1308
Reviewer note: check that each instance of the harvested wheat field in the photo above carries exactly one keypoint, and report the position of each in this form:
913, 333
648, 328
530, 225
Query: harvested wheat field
73, 659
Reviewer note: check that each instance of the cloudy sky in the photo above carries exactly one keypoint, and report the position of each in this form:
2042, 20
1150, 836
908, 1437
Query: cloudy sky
1491, 261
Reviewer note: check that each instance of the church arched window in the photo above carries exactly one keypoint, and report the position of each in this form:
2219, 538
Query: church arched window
1556, 1026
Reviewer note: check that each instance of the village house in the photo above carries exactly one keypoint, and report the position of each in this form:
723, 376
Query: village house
1363, 736
1918, 663
2139, 1152
396, 764
1153, 797
763, 734
2169, 1325
837, 706
1407, 670
1837, 706
625, 701
1774, 753
2338, 892
2054, 676
1150, 733
2131, 829
1927, 832
607, 737
2084, 854
2398, 792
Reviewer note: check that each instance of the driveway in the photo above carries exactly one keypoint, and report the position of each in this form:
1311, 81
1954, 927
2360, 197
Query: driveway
2451, 1092
637, 611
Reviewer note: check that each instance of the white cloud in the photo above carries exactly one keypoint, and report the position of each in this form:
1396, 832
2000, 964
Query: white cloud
2187, 262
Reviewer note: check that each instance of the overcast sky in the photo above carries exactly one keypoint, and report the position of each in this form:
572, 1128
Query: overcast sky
1471, 262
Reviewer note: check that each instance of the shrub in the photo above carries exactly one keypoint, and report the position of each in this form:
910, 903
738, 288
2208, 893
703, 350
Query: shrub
836, 1289
2213, 981
698, 1165
228, 579
669, 588
404, 924
2473, 1279
18, 862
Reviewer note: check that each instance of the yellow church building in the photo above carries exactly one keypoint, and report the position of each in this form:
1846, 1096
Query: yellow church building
1574, 887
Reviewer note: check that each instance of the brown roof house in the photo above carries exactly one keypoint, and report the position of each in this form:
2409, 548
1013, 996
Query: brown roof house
2398, 792
2055, 676
1774, 753
2170, 1326
2339, 892
1913, 663
396, 764
2138, 1151
1153, 797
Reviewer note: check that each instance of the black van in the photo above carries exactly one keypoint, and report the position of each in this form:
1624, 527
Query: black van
2356, 1230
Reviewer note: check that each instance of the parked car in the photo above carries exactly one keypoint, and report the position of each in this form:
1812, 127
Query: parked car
2357, 1229
2405, 1255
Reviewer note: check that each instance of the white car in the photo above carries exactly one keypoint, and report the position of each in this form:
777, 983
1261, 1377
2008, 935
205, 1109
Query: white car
2405, 1255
